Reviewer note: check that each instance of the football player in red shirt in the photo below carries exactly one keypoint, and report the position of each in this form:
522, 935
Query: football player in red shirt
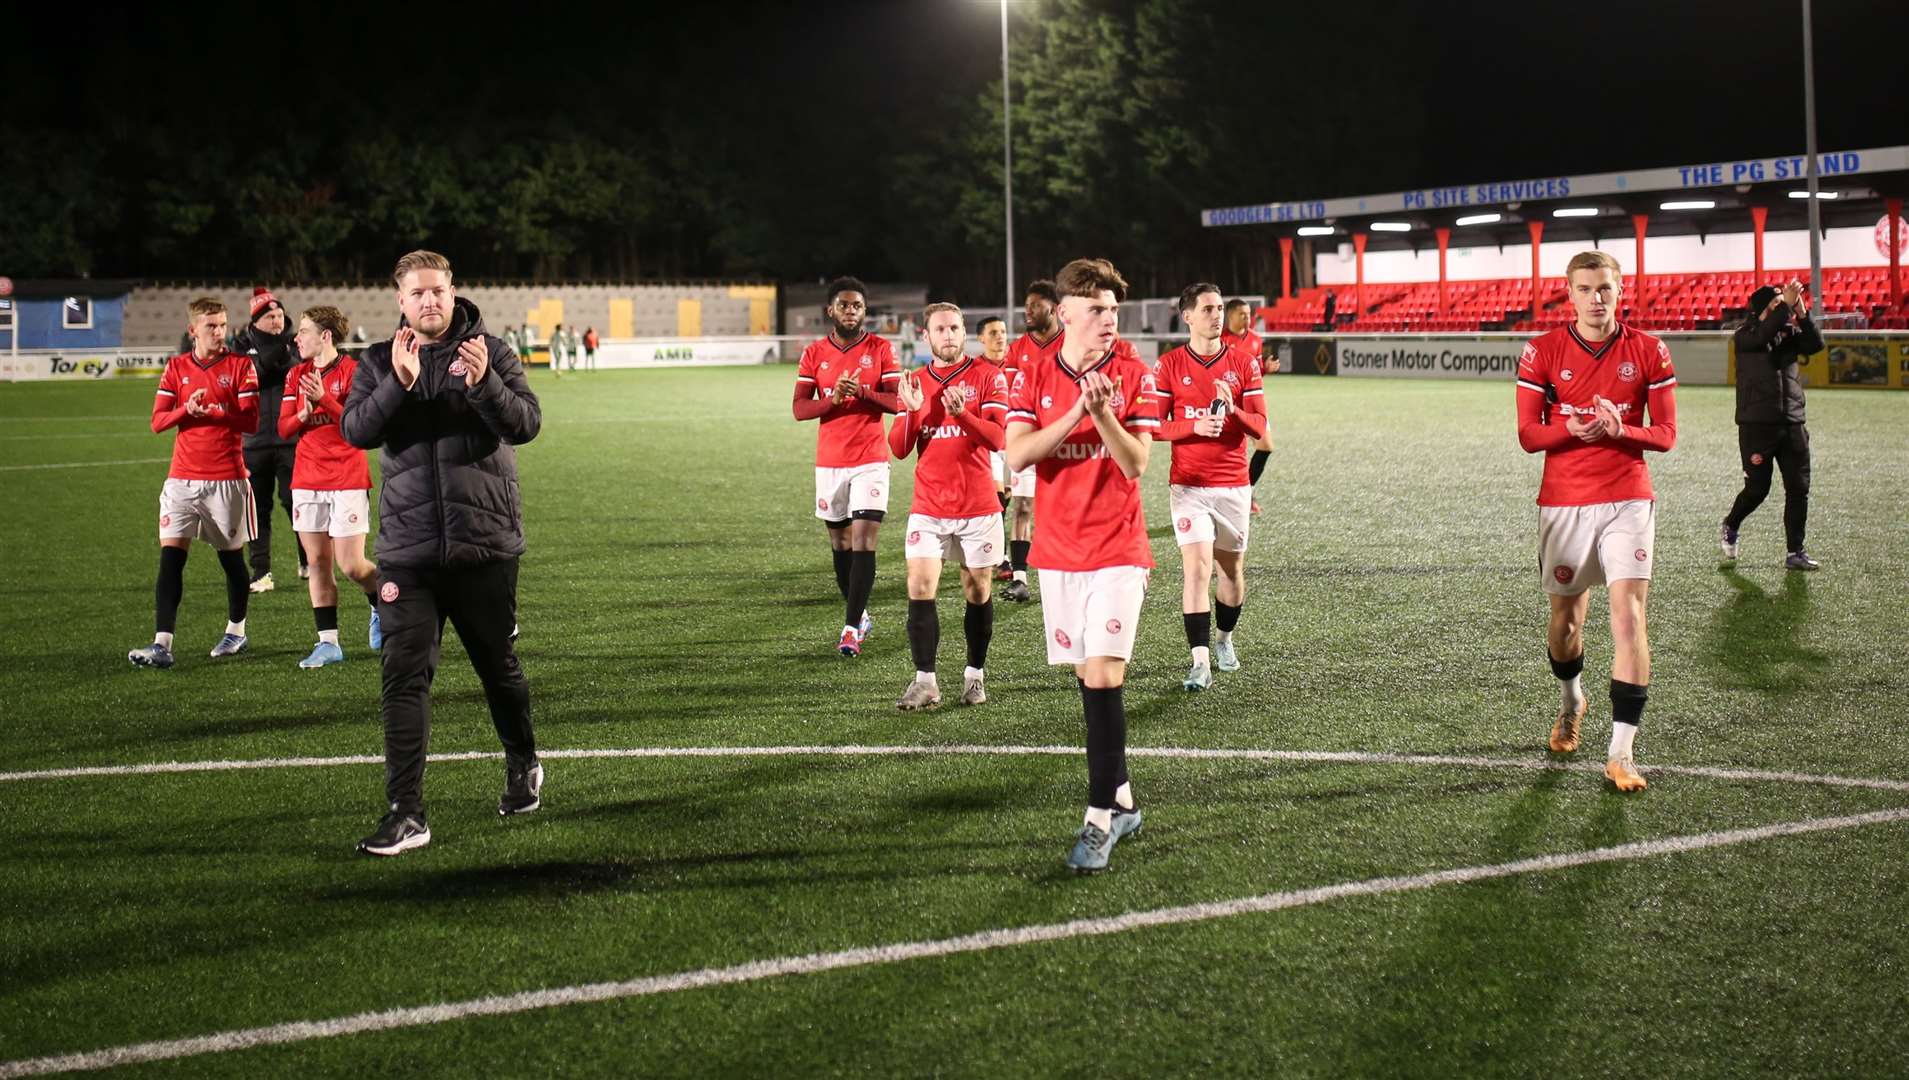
952, 413
1593, 397
1211, 403
331, 479
1085, 422
847, 381
1042, 341
211, 395
1239, 334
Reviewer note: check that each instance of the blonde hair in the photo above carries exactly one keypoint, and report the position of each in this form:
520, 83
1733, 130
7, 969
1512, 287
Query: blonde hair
206, 305
932, 310
1592, 260
420, 260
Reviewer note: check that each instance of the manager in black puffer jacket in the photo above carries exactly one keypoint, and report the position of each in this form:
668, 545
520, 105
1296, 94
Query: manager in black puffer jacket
447, 402
1770, 432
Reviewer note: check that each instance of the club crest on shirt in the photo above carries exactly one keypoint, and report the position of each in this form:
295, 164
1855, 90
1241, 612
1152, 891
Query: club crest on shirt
825, 365
868, 361
1117, 402
1233, 378
1565, 375
1047, 401
1186, 380
225, 380
1627, 371
388, 592
457, 367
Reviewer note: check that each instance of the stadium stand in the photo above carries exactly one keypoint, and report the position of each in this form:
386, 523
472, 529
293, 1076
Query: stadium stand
1704, 301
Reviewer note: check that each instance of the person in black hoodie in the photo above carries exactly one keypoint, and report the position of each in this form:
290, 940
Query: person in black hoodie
448, 403
268, 456
1770, 429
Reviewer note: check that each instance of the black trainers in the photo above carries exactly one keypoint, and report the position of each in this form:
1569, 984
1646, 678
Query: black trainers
396, 834
523, 789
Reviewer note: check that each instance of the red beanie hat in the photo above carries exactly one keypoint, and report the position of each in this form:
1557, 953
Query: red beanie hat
262, 298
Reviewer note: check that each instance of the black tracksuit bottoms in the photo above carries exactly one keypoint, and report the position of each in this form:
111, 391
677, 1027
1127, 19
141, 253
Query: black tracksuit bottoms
480, 600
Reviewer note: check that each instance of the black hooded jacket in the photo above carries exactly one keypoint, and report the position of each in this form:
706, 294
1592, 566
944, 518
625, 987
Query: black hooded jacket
274, 357
1768, 391
449, 472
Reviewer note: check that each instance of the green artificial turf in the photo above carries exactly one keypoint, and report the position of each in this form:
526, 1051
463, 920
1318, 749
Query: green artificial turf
678, 593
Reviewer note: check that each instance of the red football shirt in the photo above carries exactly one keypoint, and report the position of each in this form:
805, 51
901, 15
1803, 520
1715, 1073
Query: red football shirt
324, 460
1027, 348
953, 478
1185, 383
1559, 375
1090, 513
208, 447
1247, 342
851, 436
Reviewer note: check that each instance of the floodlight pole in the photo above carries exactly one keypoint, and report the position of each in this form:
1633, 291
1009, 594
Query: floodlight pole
1007, 172
1809, 140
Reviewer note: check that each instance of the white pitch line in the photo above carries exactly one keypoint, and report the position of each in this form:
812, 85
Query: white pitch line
71, 419
86, 464
869, 956
45, 435
1328, 757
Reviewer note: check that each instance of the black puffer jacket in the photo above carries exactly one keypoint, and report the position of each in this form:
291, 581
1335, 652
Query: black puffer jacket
1768, 391
449, 470
274, 357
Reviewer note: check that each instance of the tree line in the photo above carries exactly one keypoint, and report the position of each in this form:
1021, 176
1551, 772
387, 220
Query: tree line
1129, 117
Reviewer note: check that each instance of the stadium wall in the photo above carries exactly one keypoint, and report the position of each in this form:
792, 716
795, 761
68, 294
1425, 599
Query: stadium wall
1849, 247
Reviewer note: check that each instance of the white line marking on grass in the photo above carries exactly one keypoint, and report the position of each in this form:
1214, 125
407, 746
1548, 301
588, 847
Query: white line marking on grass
85, 464
71, 419
45, 435
869, 956
1327, 757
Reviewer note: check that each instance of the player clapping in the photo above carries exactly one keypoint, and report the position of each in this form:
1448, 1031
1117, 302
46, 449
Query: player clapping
952, 412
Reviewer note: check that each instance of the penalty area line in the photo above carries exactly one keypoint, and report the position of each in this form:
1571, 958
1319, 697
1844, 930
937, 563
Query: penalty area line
1316, 757
875, 955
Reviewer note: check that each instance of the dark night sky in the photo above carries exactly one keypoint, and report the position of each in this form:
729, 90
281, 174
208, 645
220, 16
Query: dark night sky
1510, 90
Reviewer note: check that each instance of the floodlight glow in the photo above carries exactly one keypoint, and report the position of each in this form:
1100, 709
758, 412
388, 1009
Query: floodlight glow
1689, 204
1316, 230
1820, 194
1481, 219
1575, 211
1391, 226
